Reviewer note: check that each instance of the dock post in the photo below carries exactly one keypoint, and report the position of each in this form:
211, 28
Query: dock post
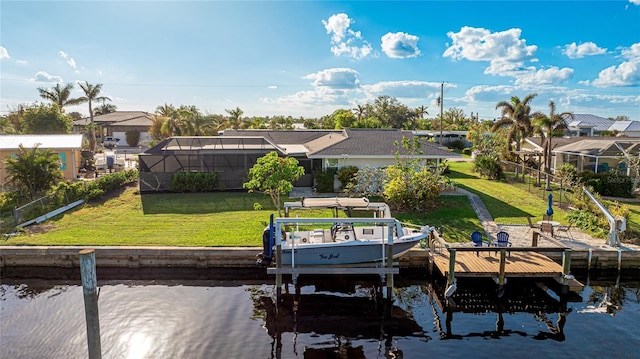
432, 249
90, 291
451, 279
566, 266
503, 263
501, 276
534, 239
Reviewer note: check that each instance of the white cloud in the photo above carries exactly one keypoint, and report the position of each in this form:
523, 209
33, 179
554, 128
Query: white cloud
43, 76
574, 51
632, 53
550, 76
335, 78
344, 40
69, 59
4, 54
478, 44
625, 74
400, 45
402, 89
22, 62
506, 68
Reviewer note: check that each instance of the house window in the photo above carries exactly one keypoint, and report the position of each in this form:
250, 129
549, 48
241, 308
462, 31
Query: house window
331, 163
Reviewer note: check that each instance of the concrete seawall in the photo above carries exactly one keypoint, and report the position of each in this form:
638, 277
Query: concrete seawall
232, 257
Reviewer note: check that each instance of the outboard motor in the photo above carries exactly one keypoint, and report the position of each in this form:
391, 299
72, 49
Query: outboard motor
268, 239
264, 258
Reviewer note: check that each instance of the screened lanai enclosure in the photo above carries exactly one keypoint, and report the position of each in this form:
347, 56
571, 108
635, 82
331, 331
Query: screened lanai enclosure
229, 157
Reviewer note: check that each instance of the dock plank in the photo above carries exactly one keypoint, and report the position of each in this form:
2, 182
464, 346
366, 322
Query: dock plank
487, 264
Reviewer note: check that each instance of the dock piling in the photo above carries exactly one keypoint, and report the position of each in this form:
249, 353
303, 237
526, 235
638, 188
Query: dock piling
89, 289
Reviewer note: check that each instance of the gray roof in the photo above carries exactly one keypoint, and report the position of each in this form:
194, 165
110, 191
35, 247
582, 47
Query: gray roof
581, 120
232, 144
364, 143
377, 143
282, 137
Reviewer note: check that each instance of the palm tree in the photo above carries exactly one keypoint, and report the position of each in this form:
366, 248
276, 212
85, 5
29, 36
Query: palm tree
235, 120
105, 108
545, 126
516, 116
92, 93
60, 95
360, 111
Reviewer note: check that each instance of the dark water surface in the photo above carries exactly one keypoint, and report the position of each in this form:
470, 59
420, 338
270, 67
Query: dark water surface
234, 316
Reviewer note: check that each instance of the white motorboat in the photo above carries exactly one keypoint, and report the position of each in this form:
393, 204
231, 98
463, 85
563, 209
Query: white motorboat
331, 241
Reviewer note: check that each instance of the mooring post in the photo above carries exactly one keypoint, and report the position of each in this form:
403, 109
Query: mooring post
90, 291
452, 266
534, 238
432, 250
566, 265
503, 263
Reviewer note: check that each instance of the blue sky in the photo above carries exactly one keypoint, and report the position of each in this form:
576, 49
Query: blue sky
308, 58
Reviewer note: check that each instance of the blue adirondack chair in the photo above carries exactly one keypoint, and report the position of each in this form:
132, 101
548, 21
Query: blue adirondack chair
502, 240
476, 238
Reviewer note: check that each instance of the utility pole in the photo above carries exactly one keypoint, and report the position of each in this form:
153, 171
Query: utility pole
441, 106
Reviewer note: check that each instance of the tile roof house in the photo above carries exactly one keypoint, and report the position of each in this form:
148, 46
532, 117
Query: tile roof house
116, 124
598, 154
231, 155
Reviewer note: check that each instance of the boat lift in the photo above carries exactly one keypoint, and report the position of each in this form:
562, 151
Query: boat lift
617, 224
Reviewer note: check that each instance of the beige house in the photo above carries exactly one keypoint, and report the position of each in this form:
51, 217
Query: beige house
67, 147
116, 124
598, 154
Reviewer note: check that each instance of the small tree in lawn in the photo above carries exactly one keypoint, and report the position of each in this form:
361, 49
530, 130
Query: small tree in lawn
274, 175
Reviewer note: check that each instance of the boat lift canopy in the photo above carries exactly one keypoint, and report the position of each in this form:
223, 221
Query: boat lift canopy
339, 203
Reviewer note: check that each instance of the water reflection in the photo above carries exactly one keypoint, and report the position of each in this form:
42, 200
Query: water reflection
519, 296
345, 318
227, 314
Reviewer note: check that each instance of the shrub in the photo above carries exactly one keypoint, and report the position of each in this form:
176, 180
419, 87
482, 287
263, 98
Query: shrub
456, 145
608, 183
488, 166
347, 176
193, 182
411, 190
324, 180
132, 137
587, 220
466, 151
369, 182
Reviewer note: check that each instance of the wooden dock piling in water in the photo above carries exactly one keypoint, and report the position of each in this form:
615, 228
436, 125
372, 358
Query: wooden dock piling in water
90, 291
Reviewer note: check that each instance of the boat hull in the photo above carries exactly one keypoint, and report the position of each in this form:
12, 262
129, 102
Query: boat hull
352, 252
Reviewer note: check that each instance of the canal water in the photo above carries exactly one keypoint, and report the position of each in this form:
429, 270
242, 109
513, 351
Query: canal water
227, 314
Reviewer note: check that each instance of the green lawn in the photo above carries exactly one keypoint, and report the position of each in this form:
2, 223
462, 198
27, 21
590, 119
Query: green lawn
204, 219
230, 218
507, 203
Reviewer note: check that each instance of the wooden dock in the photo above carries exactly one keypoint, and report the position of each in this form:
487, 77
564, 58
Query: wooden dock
487, 264
501, 263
